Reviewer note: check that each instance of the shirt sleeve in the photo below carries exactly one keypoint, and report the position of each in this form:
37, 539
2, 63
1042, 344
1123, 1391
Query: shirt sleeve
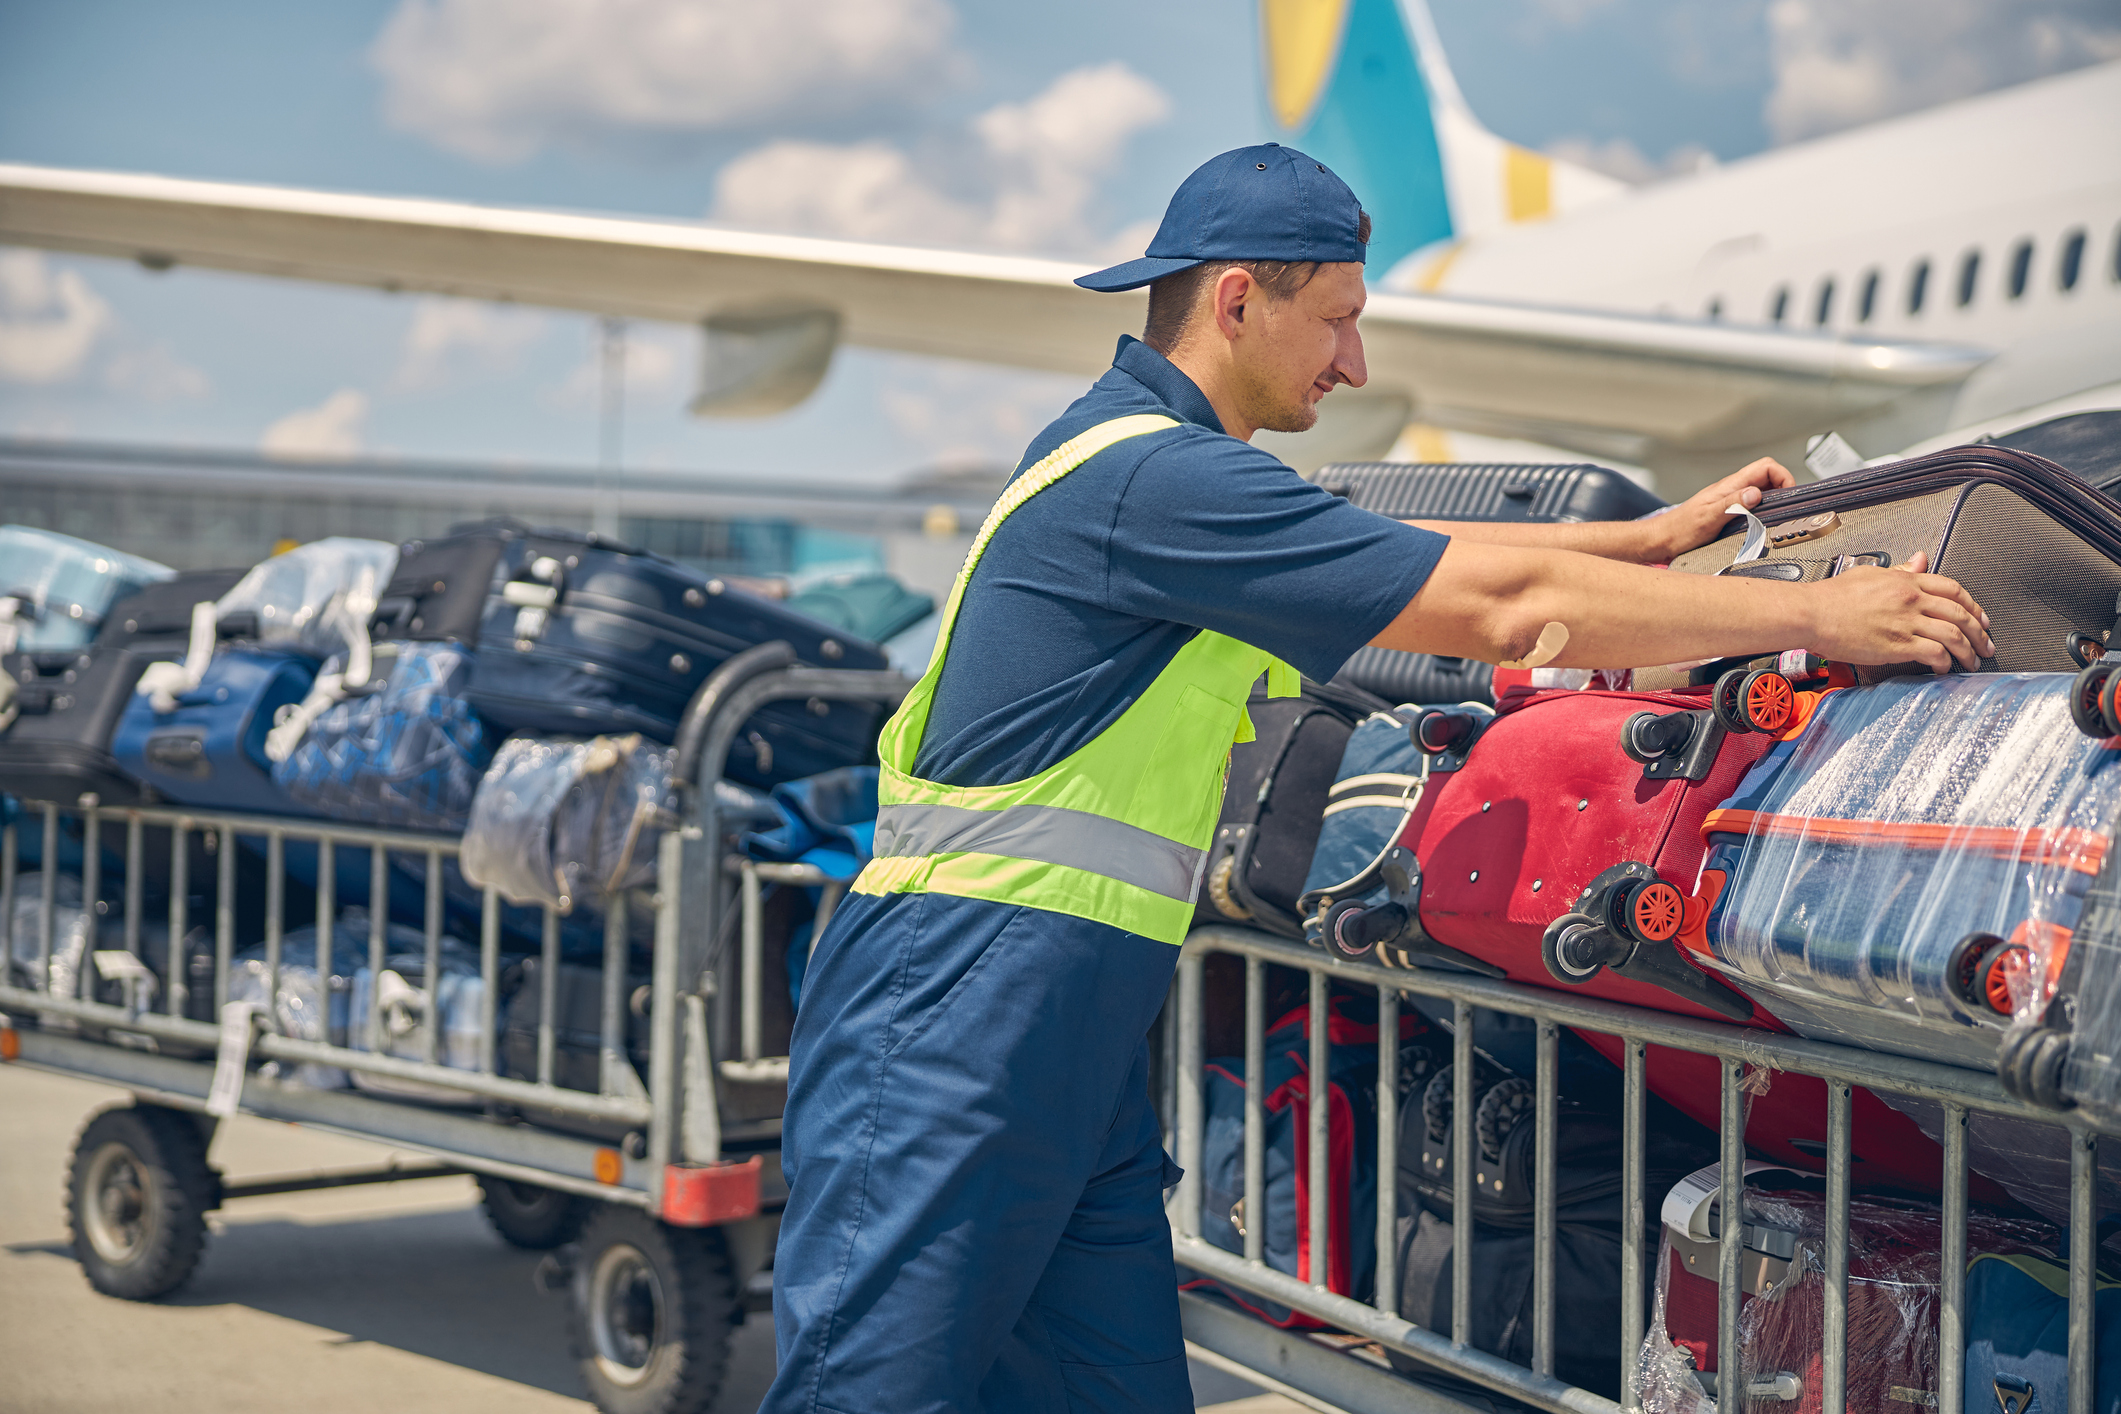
1218, 534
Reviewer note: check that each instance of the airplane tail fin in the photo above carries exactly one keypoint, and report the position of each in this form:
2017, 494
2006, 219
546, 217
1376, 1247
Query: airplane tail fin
1363, 86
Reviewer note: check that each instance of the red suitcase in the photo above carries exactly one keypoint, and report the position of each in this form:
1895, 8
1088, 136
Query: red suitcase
1543, 815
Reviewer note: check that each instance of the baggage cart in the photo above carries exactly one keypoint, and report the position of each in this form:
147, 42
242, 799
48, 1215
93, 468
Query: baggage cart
1345, 1367
658, 1189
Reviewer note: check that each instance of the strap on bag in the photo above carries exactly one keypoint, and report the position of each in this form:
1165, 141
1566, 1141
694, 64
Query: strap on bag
358, 678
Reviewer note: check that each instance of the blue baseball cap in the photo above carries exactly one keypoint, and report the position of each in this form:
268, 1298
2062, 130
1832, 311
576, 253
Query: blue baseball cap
1257, 203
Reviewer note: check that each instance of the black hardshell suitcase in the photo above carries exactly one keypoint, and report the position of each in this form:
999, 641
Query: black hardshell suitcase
2038, 548
1532, 493
1274, 802
68, 703
582, 635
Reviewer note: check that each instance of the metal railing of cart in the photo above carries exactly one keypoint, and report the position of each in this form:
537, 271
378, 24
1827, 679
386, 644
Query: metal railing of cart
1331, 1372
661, 1142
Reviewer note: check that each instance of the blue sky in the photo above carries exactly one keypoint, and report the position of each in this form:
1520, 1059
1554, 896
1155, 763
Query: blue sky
623, 105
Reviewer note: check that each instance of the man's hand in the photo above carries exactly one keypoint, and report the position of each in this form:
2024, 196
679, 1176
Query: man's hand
1900, 615
1702, 516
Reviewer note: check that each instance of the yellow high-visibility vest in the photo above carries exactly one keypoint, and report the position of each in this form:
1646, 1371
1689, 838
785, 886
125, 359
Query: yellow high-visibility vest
1118, 831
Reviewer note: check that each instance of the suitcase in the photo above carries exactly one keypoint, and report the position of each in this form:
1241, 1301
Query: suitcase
578, 1027
2037, 548
210, 751
2088, 444
559, 821
2017, 1337
312, 599
1907, 872
68, 701
1542, 851
1893, 1296
1529, 493
1588, 1211
1274, 798
55, 590
406, 753
398, 994
302, 1006
584, 636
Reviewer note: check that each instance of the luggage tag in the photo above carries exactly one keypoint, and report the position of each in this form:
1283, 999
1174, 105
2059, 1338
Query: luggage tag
231, 1059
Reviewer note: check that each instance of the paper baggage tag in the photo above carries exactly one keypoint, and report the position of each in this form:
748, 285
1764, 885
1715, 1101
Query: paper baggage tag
231, 1059
1686, 1207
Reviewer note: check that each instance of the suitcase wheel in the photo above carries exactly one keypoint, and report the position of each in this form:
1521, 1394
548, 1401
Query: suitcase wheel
1753, 700
1575, 949
2091, 701
1650, 736
1649, 911
1982, 967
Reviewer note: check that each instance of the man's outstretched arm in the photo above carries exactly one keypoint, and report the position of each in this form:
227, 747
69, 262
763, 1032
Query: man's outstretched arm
1695, 521
1500, 603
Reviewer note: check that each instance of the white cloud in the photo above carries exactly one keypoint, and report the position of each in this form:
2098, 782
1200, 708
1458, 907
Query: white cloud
330, 429
450, 336
155, 373
1617, 157
500, 80
1035, 170
49, 322
966, 414
1838, 63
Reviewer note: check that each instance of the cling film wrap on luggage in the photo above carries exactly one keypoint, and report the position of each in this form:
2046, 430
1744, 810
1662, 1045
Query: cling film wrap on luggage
303, 1007
69, 933
54, 589
1893, 1301
310, 598
556, 822
408, 753
1908, 872
399, 997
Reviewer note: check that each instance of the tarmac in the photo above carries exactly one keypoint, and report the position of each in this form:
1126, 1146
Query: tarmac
394, 1296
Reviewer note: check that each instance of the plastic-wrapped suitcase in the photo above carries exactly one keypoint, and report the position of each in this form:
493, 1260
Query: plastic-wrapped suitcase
1551, 845
1893, 1297
55, 590
1531, 493
584, 636
2037, 548
210, 750
557, 821
406, 751
1274, 798
67, 702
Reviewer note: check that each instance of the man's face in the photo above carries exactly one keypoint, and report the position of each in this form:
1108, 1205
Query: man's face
1300, 349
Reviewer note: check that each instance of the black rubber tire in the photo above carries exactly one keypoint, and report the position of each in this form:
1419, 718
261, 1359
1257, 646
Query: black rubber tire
1550, 950
137, 1194
1727, 702
531, 1217
2109, 705
2084, 697
651, 1315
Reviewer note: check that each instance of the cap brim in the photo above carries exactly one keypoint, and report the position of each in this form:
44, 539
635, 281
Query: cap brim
1136, 273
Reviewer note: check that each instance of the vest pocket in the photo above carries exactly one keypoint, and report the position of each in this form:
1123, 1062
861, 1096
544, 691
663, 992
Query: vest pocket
1180, 788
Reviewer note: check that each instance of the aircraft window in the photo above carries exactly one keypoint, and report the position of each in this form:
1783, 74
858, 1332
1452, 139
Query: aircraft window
1824, 310
2072, 260
1918, 285
1969, 272
2117, 253
1716, 308
1868, 300
1781, 306
2021, 267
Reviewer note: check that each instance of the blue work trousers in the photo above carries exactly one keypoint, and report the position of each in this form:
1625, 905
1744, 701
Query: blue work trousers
975, 1218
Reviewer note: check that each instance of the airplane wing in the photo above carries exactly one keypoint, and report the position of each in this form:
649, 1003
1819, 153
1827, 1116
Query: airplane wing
1655, 391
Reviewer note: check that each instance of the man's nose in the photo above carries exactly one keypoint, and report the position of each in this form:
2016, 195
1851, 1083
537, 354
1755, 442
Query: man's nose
1348, 359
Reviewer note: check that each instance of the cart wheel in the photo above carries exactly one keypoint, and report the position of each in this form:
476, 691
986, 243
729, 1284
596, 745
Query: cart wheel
136, 1199
1766, 700
1571, 948
2084, 695
530, 1216
653, 1308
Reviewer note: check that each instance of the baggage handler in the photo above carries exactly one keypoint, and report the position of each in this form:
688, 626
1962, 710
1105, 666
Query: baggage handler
975, 1219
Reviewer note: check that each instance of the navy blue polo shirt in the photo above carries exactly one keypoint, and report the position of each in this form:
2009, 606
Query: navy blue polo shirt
1092, 586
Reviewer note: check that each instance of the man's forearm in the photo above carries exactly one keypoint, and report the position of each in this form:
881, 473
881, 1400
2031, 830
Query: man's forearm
1639, 542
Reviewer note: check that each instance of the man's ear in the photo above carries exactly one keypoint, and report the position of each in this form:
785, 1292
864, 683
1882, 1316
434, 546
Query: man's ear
1232, 291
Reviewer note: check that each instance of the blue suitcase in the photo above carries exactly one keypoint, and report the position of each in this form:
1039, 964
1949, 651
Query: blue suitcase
210, 752
583, 636
55, 590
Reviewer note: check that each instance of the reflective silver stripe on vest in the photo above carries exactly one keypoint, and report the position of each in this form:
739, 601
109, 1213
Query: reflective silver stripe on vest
1073, 839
